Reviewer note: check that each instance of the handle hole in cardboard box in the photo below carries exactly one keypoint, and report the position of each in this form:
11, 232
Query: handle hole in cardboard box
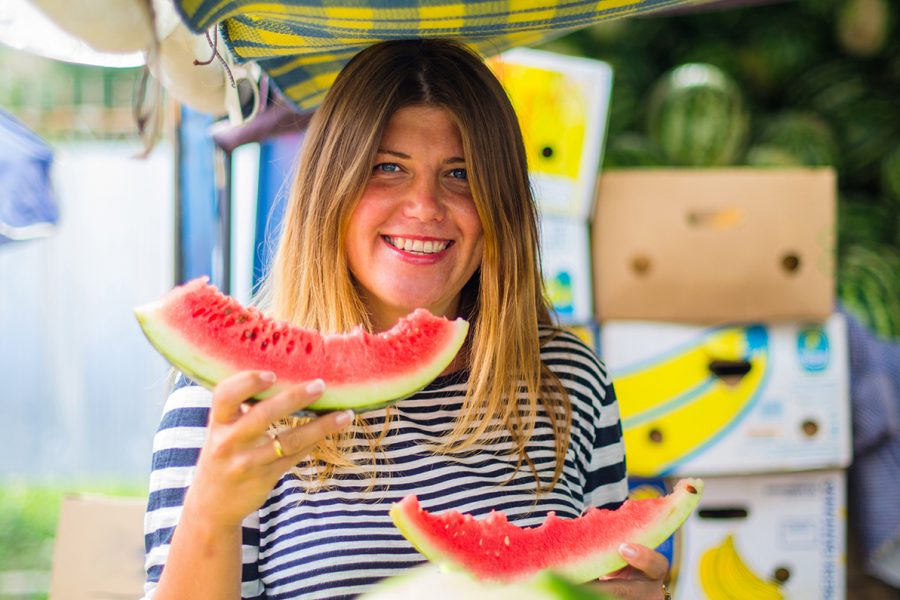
640, 265
781, 574
723, 513
790, 262
730, 371
810, 427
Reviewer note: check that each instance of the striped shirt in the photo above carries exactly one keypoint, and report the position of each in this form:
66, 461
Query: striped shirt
338, 541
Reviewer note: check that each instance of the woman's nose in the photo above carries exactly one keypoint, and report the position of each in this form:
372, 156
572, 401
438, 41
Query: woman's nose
424, 201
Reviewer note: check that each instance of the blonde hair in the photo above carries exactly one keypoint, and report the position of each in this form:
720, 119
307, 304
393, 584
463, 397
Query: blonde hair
310, 283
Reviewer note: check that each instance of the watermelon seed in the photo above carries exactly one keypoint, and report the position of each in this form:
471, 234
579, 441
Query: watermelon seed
228, 322
264, 344
290, 347
254, 334
228, 310
691, 489
275, 337
506, 540
481, 542
309, 347
242, 318
246, 334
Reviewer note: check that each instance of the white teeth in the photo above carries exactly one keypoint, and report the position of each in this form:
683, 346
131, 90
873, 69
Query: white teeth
417, 246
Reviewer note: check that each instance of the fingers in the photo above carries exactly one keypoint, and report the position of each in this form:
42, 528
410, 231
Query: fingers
297, 442
281, 405
233, 391
649, 562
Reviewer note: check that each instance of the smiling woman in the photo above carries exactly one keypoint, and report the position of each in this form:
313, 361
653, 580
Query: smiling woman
412, 191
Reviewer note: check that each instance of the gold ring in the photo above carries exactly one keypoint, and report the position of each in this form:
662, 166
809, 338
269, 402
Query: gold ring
666, 594
276, 443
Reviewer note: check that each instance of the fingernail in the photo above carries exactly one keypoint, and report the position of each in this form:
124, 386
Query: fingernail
315, 387
627, 551
343, 417
267, 376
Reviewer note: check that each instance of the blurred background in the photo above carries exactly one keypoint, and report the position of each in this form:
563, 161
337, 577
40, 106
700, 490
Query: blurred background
798, 83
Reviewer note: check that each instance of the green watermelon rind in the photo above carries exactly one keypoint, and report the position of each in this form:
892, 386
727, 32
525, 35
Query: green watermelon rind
371, 395
679, 506
423, 581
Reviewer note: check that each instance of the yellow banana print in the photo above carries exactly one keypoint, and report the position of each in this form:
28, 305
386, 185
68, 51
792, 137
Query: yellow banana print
725, 576
673, 405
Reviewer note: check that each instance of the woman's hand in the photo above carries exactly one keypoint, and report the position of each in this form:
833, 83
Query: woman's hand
642, 579
239, 463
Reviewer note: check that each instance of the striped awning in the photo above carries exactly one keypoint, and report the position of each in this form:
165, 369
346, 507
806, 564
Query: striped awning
302, 44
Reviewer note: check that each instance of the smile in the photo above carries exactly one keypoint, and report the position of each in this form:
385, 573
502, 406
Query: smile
417, 246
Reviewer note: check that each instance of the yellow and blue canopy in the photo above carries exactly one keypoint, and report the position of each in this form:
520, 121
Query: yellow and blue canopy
302, 44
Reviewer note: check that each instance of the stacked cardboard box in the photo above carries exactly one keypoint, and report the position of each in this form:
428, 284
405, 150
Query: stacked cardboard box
562, 103
715, 294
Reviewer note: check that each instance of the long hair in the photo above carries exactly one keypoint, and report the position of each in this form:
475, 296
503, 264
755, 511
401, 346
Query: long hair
310, 283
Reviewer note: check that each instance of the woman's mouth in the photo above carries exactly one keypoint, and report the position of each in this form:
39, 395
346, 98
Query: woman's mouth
417, 246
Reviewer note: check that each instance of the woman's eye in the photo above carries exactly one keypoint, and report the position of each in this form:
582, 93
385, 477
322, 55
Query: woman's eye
386, 168
459, 174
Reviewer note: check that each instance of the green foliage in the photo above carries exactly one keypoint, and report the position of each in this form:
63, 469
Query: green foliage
29, 514
28, 517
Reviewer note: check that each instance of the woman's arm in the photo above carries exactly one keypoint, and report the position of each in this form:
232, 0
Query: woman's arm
237, 468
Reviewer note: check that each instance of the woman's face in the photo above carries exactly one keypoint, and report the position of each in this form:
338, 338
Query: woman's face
415, 238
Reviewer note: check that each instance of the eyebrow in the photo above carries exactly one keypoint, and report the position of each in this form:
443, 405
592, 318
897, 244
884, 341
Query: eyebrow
452, 159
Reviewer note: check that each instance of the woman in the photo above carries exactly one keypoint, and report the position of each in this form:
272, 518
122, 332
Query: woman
412, 191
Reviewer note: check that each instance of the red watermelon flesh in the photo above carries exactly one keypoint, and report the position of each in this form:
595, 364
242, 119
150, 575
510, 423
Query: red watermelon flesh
582, 549
209, 336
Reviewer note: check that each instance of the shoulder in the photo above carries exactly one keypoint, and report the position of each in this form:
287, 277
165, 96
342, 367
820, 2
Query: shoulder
572, 360
187, 405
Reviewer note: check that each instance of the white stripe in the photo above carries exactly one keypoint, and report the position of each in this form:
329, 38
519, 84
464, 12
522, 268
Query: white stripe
179, 437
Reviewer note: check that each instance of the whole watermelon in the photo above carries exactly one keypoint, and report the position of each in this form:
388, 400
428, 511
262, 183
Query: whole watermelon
803, 137
696, 116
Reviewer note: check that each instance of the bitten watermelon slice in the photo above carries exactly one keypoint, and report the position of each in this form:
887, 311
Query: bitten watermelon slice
582, 549
209, 336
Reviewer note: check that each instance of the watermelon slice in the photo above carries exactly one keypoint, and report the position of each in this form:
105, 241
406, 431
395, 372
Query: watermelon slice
209, 336
582, 549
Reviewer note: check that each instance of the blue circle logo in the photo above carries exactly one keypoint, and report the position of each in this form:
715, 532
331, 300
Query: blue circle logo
813, 349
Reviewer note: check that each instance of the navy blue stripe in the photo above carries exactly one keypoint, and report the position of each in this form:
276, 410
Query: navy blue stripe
603, 475
166, 498
175, 457
184, 417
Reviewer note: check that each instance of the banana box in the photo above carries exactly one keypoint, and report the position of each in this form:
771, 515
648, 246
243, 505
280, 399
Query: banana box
566, 268
562, 103
765, 537
731, 399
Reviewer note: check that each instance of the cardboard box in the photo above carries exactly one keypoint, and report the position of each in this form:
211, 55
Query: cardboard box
731, 399
563, 104
715, 246
566, 268
99, 549
753, 537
